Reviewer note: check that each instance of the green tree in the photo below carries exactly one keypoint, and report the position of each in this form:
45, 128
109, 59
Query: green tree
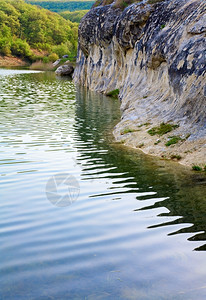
24, 27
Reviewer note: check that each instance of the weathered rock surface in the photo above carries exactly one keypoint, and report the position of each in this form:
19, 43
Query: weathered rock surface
65, 70
155, 54
56, 62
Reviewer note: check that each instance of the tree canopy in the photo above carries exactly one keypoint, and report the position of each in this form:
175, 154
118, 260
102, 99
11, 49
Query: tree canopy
74, 16
24, 26
63, 5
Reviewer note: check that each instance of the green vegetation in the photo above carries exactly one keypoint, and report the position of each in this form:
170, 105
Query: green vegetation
157, 142
173, 140
196, 168
162, 129
97, 3
145, 124
127, 130
122, 4
140, 145
24, 27
46, 64
53, 57
113, 93
74, 16
62, 5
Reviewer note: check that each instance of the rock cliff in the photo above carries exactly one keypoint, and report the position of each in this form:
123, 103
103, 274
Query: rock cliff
155, 55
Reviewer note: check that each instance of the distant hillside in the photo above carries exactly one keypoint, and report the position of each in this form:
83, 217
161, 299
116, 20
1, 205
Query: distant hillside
24, 27
74, 16
62, 5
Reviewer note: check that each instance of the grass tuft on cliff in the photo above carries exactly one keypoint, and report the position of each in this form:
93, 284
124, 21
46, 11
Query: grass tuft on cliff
113, 94
196, 168
173, 140
163, 128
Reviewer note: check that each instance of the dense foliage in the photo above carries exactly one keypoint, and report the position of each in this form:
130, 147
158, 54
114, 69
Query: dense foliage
74, 16
62, 5
122, 4
24, 26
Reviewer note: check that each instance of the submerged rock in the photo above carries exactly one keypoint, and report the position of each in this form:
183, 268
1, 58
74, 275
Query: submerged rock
155, 54
65, 70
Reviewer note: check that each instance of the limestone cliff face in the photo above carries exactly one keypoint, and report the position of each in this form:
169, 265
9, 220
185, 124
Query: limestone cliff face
155, 54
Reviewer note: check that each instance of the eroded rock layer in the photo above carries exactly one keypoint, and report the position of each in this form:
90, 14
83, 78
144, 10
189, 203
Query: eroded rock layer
155, 54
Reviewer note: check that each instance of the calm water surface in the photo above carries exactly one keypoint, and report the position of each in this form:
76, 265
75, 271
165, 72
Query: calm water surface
137, 229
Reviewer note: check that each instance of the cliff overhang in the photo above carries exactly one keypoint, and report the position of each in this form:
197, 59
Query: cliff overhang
155, 55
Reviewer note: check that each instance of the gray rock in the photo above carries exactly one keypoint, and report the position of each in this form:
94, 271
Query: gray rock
97, 27
199, 26
56, 63
157, 50
129, 27
65, 70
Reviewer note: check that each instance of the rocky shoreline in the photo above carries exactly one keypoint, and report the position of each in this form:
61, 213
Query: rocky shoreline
154, 55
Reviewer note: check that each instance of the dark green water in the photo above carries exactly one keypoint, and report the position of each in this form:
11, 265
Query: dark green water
137, 228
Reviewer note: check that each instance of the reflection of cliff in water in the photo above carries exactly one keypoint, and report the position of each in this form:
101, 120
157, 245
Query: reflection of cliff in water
183, 191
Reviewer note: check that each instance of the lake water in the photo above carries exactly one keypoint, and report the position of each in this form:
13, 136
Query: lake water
125, 225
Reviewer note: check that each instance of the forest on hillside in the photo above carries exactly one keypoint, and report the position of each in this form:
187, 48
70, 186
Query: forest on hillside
62, 5
24, 27
74, 16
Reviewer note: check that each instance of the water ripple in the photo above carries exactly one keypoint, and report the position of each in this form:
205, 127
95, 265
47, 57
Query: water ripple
131, 232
